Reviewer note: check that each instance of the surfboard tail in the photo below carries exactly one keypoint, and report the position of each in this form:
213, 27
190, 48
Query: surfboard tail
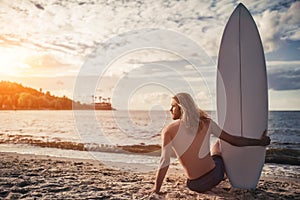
244, 174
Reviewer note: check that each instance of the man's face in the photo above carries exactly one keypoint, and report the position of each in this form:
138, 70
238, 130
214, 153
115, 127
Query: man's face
175, 110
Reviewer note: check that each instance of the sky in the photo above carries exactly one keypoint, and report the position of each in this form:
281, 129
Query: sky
141, 52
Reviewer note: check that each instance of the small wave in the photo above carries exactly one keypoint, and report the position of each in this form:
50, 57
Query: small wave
141, 148
286, 143
273, 155
153, 150
41, 142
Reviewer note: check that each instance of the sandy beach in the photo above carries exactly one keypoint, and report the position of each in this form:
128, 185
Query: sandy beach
35, 177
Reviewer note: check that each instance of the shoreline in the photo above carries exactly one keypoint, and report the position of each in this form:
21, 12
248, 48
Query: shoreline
42, 176
273, 155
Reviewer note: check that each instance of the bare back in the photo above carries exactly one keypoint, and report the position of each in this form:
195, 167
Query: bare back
192, 148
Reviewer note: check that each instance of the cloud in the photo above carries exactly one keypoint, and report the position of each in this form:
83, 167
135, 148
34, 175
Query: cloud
278, 25
284, 100
44, 64
284, 75
64, 34
155, 97
59, 82
77, 28
44, 61
292, 22
285, 80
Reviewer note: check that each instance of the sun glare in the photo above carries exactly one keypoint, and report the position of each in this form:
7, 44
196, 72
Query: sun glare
11, 61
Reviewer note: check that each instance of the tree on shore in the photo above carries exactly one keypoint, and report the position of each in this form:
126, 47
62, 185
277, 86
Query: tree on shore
14, 96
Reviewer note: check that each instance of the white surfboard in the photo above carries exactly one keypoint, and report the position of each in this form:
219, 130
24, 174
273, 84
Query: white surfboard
242, 97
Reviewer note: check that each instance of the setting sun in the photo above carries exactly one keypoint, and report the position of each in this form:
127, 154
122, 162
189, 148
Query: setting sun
12, 61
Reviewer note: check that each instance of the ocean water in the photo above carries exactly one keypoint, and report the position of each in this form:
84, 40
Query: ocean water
109, 134
284, 129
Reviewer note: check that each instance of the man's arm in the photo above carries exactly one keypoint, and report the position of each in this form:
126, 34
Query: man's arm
164, 161
161, 173
242, 141
237, 140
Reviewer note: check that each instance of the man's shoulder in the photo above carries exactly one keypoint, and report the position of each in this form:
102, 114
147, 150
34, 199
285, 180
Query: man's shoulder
174, 124
172, 127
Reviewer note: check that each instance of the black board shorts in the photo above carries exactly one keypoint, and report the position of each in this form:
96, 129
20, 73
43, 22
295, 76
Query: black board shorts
209, 180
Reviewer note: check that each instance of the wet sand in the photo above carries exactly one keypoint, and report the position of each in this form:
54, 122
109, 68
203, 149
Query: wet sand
36, 177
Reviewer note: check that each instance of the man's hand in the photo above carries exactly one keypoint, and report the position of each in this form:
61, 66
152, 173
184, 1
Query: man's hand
148, 192
151, 191
265, 140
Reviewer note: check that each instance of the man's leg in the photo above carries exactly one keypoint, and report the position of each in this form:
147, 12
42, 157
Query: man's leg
216, 150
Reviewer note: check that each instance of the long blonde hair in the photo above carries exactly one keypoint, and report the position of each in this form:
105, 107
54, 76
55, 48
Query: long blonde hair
191, 114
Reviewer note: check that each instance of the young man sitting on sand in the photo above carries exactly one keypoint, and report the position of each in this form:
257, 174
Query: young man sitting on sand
189, 136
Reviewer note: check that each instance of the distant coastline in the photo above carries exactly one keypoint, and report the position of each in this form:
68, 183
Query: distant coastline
15, 96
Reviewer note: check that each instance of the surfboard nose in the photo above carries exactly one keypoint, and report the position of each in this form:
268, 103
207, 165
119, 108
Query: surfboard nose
241, 8
241, 5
